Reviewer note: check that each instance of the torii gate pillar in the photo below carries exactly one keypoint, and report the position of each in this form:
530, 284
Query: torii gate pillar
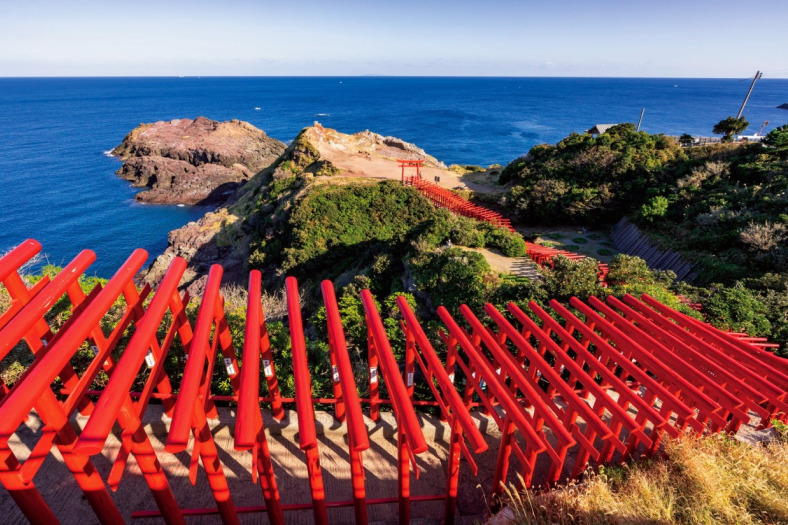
404, 163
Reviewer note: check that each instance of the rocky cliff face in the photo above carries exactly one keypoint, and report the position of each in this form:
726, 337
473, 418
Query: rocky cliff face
198, 161
318, 155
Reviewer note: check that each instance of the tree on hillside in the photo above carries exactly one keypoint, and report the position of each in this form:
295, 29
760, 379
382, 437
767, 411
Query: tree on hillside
778, 139
729, 127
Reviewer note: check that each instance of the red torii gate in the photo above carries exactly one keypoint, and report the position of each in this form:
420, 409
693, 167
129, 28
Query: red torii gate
446, 198
610, 380
406, 163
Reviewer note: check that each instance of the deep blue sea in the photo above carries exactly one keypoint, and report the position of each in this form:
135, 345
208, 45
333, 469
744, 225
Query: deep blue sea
58, 186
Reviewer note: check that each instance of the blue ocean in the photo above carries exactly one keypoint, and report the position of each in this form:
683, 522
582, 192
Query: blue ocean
57, 184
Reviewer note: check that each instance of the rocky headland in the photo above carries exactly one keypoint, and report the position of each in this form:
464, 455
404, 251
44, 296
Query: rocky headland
198, 161
317, 155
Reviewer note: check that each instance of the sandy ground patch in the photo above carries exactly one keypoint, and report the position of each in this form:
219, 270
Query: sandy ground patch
519, 266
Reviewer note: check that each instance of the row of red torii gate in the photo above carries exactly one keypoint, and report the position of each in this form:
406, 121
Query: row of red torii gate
567, 387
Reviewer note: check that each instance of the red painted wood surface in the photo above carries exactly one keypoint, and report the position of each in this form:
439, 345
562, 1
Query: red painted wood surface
454, 203
571, 389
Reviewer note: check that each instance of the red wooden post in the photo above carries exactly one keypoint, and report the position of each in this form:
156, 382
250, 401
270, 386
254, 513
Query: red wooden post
249, 428
374, 388
358, 439
194, 395
305, 411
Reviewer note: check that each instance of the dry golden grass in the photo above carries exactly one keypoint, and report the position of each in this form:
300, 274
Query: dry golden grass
698, 481
274, 304
5, 300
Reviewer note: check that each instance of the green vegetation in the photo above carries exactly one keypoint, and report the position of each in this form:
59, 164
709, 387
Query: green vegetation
334, 226
302, 152
361, 229
729, 127
588, 180
777, 142
441, 274
654, 209
699, 481
723, 207
570, 278
462, 169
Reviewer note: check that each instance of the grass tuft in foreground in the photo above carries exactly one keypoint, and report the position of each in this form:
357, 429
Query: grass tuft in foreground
698, 481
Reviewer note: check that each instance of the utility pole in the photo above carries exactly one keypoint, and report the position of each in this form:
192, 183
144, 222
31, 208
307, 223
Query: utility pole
758, 75
641, 118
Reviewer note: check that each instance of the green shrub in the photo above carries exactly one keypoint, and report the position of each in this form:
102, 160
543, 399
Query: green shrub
510, 244
466, 232
654, 209
333, 227
520, 292
570, 278
736, 309
453, 276
777, 141
630, 270
589, 180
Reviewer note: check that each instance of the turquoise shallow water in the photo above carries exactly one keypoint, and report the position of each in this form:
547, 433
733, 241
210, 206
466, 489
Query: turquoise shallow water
58, 186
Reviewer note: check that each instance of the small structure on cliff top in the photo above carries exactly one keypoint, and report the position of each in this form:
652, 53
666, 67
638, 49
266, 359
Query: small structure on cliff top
598, 129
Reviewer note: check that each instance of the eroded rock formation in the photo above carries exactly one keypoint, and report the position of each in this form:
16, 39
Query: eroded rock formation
317, 154
198, 161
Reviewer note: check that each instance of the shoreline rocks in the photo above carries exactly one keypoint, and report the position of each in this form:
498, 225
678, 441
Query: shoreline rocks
198, 161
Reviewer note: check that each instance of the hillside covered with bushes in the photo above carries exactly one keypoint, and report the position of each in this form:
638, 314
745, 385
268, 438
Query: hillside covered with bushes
724, 207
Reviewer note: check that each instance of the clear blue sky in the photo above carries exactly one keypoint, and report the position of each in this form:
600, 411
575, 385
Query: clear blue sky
634, 38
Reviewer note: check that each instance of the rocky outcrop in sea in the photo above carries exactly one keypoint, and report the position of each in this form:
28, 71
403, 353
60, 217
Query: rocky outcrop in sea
198, 161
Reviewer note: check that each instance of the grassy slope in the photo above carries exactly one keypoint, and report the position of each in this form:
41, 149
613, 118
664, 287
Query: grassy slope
698, 481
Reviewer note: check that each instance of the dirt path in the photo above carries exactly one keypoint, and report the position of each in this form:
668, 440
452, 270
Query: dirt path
519, 266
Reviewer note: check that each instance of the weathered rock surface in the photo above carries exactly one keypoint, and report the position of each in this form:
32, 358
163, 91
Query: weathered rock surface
198, 161
223, 236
